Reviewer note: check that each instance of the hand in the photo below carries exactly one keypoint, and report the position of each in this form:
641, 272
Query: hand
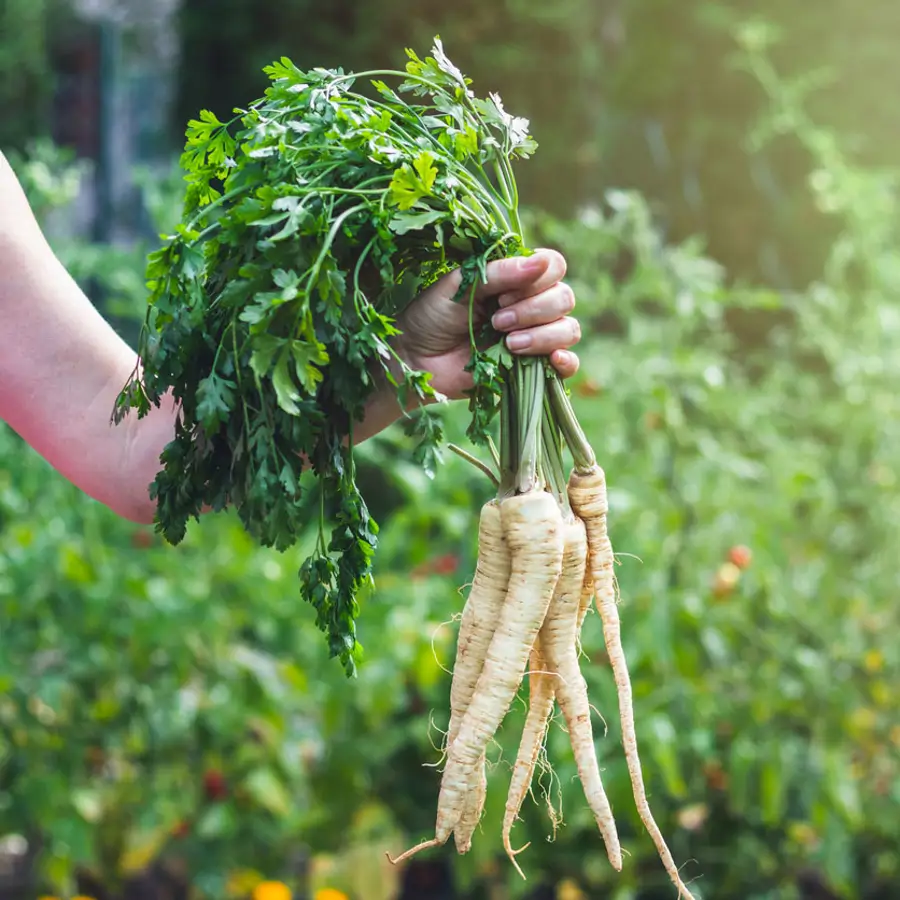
534, 314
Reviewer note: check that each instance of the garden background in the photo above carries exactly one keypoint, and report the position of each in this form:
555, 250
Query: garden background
722, 177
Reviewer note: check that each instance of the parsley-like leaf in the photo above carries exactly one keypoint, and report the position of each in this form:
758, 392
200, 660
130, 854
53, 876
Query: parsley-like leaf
310, 222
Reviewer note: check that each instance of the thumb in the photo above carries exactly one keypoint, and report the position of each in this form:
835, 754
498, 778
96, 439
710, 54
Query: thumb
523, 276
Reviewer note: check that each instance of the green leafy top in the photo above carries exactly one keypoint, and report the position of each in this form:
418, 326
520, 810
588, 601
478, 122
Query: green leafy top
310, 220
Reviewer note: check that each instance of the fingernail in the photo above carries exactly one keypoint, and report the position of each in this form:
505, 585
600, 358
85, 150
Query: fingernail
533, 264
505, 318
518, 341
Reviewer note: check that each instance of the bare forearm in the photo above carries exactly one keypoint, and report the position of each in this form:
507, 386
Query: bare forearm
58, 387
62, 367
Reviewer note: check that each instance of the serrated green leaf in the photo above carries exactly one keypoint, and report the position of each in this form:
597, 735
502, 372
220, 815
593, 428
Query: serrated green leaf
265, 346
426, 170
307, 359
215, 400
403, 223
285, 388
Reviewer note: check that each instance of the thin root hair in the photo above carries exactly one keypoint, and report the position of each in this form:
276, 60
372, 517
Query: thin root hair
492, 765
556, 817
432, 726
601, 717
618, 554
437, 628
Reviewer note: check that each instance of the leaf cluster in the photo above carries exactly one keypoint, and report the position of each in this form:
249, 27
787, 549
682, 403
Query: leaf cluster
311, 220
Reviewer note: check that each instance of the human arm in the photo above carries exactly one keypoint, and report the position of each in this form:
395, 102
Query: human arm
62, 365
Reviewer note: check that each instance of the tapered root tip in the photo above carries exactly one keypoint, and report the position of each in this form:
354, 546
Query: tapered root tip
425, 845
613, 850
512, 854
512, 858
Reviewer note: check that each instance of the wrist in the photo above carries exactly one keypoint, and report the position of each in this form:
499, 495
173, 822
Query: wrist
383, 408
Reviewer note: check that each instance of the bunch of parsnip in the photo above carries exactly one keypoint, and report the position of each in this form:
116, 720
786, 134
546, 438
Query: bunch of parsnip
543, 554
310, 220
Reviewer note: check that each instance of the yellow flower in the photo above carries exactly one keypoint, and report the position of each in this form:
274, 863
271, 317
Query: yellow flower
82, 897
48, 898
271, 890
330, 894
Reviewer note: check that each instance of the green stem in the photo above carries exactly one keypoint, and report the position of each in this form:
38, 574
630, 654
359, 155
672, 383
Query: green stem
530, 408
237, 373
553, 460
581, 450
357, 269
471, 317
329, 240
320, 542
495, 455
483, 466
508, 428
228, 195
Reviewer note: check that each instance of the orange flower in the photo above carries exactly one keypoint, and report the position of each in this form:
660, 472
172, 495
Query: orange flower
330, 894
271, 890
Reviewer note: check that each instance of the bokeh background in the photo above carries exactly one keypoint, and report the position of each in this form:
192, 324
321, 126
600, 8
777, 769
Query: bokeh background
722, 176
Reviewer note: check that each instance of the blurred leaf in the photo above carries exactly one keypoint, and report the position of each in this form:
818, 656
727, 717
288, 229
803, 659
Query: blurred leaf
268, 790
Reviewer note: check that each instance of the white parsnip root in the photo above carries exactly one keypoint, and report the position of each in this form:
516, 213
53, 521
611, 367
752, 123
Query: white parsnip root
544, 554
479, 619
542, 692
587, 494
561, 655
562, 680
534, 571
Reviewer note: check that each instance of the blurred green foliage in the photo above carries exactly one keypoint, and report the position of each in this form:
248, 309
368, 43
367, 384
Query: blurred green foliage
26, 80
640, 94
133, 675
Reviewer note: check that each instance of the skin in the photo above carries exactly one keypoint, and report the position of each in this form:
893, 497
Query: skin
62, 365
